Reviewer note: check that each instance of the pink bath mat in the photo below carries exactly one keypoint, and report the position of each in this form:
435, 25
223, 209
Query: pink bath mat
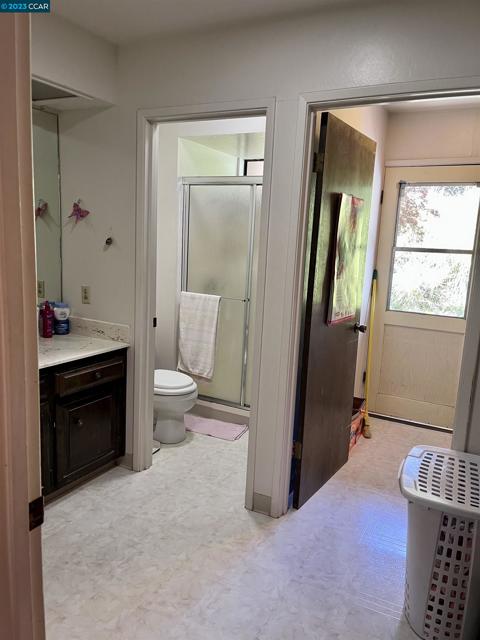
214, 428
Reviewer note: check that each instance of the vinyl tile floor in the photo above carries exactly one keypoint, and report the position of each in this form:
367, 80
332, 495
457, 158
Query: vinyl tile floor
171, 553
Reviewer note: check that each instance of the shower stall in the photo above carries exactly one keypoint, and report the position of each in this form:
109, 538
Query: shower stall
219, 256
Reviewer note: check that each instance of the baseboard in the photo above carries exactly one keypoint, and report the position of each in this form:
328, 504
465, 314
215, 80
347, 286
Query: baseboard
262, 504
126, 461
217, 411
410, 423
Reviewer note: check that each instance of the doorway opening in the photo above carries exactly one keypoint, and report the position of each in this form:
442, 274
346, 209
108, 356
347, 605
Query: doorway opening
209, 224
427, 259
422, 203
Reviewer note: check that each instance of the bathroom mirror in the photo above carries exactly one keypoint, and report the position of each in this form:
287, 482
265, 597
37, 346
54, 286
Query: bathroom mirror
46, 178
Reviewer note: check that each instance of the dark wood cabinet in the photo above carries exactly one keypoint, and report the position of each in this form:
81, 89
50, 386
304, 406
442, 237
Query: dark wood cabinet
82, 414
48, 477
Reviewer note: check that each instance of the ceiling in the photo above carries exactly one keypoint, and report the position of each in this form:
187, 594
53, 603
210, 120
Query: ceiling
124, 21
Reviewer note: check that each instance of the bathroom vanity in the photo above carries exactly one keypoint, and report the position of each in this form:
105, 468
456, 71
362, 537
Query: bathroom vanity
83, 374
82, 408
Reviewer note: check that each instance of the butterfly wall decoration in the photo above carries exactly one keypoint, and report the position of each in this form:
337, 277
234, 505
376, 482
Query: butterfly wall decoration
78, 213
41, 209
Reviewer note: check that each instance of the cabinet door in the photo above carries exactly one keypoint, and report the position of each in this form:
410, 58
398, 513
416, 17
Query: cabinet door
87, 434
46, 432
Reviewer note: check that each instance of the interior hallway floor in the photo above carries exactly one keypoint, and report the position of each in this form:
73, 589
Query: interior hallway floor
171, 553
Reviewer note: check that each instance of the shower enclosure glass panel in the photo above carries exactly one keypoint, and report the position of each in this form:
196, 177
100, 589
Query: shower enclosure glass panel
218, 239
218, 233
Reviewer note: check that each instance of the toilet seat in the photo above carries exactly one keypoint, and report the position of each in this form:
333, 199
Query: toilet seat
172, 383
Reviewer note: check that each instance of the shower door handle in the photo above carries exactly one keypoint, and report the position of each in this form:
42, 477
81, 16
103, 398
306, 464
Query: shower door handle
235, 299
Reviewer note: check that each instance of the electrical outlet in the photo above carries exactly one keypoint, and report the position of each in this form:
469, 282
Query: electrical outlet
85, 295
41, 288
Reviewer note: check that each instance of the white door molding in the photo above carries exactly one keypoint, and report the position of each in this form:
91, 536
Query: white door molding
145, 268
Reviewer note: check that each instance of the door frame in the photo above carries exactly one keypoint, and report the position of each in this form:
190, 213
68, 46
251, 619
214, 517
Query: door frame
21, 602
145, 264
308, 104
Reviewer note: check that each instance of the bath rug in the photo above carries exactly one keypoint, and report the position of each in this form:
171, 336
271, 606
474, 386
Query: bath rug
214, 428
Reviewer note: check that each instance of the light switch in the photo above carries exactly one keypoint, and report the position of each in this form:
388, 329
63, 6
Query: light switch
41, 288
85, 295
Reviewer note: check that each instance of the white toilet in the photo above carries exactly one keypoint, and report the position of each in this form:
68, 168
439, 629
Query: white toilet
175, 393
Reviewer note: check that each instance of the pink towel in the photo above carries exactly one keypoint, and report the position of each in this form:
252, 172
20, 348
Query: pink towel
214, 428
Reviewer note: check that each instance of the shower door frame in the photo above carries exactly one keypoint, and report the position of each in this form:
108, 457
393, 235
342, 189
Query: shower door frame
254, 182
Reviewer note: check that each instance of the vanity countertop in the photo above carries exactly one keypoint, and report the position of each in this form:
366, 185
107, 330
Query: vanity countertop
61, 349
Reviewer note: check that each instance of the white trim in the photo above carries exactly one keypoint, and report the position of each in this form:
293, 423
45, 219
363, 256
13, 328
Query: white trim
145, 277
145, 265
329, 99
228, 180
293, 308
467, 383
433, 162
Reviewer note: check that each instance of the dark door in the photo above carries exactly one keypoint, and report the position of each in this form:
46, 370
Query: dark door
343, 164
87, 430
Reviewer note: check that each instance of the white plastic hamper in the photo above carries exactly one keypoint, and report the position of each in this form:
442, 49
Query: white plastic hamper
442, 592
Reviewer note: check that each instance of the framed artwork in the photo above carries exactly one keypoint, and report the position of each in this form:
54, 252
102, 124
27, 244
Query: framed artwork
346, 270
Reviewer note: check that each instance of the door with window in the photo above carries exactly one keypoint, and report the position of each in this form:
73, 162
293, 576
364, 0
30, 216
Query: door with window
425, 254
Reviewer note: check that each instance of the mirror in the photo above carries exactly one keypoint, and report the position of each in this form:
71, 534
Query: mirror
46, 178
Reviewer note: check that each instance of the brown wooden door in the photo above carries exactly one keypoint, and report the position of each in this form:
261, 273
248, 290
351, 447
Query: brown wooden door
344, 164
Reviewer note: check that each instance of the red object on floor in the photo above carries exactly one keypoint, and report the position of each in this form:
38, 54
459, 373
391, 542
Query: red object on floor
358, 419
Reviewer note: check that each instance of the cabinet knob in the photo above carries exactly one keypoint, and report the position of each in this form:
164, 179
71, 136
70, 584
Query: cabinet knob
98, 375
79, 423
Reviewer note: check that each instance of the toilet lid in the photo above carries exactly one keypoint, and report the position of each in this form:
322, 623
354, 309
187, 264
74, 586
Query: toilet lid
172, 383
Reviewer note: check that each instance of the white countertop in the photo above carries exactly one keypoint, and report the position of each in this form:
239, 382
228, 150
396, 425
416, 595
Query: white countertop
61, 349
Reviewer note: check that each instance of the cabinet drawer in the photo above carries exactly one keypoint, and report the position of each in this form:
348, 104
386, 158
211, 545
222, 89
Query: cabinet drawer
88, 377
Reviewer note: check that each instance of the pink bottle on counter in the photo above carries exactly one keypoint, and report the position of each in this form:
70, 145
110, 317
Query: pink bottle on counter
47, 318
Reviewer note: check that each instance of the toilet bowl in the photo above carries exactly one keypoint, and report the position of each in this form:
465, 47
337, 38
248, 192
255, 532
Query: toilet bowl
174, 394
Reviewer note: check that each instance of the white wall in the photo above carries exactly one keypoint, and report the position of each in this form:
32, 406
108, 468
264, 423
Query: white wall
71, 57
337, 48
197, 159
443, 134
372, 121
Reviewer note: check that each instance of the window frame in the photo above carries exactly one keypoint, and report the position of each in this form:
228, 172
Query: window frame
401, 187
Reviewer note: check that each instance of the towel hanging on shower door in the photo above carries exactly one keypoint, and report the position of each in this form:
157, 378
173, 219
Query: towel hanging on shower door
197, 333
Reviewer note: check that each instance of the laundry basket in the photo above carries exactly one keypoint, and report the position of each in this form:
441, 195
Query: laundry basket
442, 592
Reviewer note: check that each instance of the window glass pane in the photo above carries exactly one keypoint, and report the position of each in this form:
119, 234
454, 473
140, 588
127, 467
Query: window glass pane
435, 283
441, 216
254, 167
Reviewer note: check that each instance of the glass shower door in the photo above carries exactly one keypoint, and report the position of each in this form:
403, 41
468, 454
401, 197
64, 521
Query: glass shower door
218, 234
